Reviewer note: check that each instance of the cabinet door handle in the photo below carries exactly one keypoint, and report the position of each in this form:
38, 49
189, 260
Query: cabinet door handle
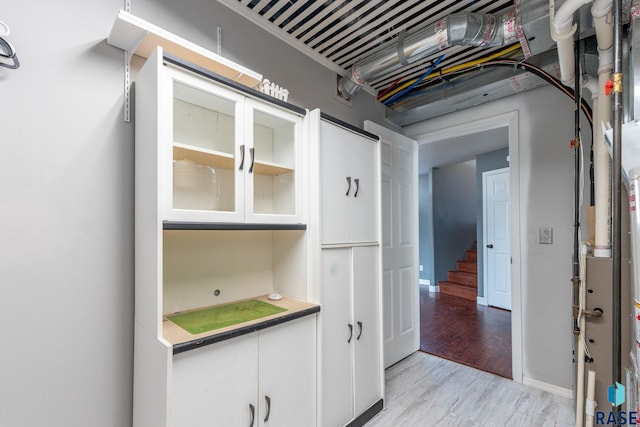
350, 333
241, 157
252, 152
252, 409
357, 180
268, 400
360, 330
349, 187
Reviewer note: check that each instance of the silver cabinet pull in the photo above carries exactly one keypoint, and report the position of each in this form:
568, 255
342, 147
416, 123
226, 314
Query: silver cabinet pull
268, 400
252, 151
350, 333
253, 414
357, 180
360, 330
241, 157
349, 187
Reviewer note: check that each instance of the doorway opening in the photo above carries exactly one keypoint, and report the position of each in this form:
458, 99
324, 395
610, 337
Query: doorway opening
468, 331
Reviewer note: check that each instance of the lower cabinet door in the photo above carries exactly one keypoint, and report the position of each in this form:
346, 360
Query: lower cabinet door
367, 357
337, 338
287, 383
215, 386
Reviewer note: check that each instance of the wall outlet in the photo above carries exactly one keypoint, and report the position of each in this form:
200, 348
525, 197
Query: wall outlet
421, 267
545, 235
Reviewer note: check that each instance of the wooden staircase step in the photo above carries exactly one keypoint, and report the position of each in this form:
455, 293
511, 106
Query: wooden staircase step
458, 290
463, 278
467, 266
471, 255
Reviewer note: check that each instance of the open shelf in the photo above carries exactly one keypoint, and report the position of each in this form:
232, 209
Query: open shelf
206, 157
183, 341
141, 38
202, 156
262, 167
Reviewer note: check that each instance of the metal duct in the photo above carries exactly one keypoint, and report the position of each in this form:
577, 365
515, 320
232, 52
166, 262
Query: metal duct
466, 28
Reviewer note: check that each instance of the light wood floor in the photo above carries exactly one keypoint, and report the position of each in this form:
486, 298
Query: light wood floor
424, 391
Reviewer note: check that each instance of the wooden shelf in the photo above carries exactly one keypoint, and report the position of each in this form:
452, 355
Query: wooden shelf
140, 37
203, 156
262, 167
220, 159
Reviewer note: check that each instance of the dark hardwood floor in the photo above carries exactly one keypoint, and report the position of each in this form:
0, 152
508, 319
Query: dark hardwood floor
462, 331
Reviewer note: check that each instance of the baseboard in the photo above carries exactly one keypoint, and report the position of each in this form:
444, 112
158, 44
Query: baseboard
427, 282
367, 415
482, 301
553, 389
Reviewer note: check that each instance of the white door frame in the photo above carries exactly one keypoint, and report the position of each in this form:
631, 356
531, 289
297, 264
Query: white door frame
485, 228
509, 120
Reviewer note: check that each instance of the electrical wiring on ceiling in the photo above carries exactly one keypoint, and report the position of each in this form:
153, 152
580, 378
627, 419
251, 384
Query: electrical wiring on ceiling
399, 94
388, 92
492, 62
554, 81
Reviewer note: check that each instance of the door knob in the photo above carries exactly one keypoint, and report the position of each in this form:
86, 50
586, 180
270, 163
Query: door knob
490, 246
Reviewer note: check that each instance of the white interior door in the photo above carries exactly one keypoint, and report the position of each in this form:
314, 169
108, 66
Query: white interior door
497, 250
400, 295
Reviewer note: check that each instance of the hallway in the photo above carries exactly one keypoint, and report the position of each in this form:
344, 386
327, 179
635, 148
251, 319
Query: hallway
465, 332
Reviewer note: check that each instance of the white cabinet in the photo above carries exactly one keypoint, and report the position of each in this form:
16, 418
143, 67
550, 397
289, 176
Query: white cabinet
223, 156
349, 186
219, 220
350, 334
348, 275
262, 379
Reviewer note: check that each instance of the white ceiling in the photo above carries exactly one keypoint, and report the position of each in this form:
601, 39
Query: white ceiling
460, 149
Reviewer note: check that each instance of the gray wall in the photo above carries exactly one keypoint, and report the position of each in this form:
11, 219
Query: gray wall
486, 162
544, 177
425, 218
454, 215
66, 191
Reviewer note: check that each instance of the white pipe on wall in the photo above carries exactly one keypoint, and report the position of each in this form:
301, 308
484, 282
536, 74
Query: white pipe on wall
603, 21
590, 405
563, 19
562, 31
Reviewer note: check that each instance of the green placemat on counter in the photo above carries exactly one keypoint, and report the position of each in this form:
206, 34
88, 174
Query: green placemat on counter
221, 316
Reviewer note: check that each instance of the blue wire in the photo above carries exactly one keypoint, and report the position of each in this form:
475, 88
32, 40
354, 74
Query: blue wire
422, 77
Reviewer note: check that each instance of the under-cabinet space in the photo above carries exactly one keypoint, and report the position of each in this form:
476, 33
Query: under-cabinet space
213, 267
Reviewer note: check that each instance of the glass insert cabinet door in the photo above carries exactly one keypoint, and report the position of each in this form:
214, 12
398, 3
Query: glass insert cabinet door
272, 181
233, 159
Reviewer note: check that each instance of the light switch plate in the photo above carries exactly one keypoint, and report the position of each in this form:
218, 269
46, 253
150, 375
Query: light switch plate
545, 235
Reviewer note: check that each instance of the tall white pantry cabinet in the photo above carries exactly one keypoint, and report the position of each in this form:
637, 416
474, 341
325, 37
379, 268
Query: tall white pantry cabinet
345, 210
220, 218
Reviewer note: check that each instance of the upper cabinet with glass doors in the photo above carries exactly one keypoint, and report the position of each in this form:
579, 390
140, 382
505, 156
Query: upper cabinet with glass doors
225, 153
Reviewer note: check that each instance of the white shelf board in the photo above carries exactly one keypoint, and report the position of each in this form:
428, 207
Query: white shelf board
140, 37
